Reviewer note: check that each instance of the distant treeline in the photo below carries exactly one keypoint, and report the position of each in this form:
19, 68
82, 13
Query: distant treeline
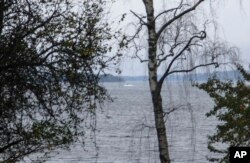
111, 78
222, 75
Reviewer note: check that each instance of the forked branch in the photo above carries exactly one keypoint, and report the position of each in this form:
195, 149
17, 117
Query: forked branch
164, 26
201, 36
142, 22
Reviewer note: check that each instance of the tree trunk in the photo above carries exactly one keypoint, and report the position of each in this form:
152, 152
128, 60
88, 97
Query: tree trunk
1, 14
160, 127
153, 84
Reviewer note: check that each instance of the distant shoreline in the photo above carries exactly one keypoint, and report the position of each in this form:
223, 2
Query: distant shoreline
222, 75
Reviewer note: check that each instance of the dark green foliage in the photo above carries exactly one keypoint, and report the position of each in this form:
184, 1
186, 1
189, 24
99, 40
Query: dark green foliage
51, 55
232, 108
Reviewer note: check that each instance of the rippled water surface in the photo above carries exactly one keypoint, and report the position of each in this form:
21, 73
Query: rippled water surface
125, 127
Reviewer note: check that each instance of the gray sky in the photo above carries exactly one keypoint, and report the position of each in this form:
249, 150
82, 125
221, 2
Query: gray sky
233, 25
234, 21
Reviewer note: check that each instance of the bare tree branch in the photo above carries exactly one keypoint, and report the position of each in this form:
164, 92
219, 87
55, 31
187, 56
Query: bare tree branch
171, 10
201, 36
189, 70
139, 17
163, 27
139, 29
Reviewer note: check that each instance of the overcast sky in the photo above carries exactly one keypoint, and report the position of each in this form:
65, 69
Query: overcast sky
233, 22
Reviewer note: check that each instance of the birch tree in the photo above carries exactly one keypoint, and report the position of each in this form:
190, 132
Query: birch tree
177, 42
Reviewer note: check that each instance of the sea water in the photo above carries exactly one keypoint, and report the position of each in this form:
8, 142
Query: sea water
126, 132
